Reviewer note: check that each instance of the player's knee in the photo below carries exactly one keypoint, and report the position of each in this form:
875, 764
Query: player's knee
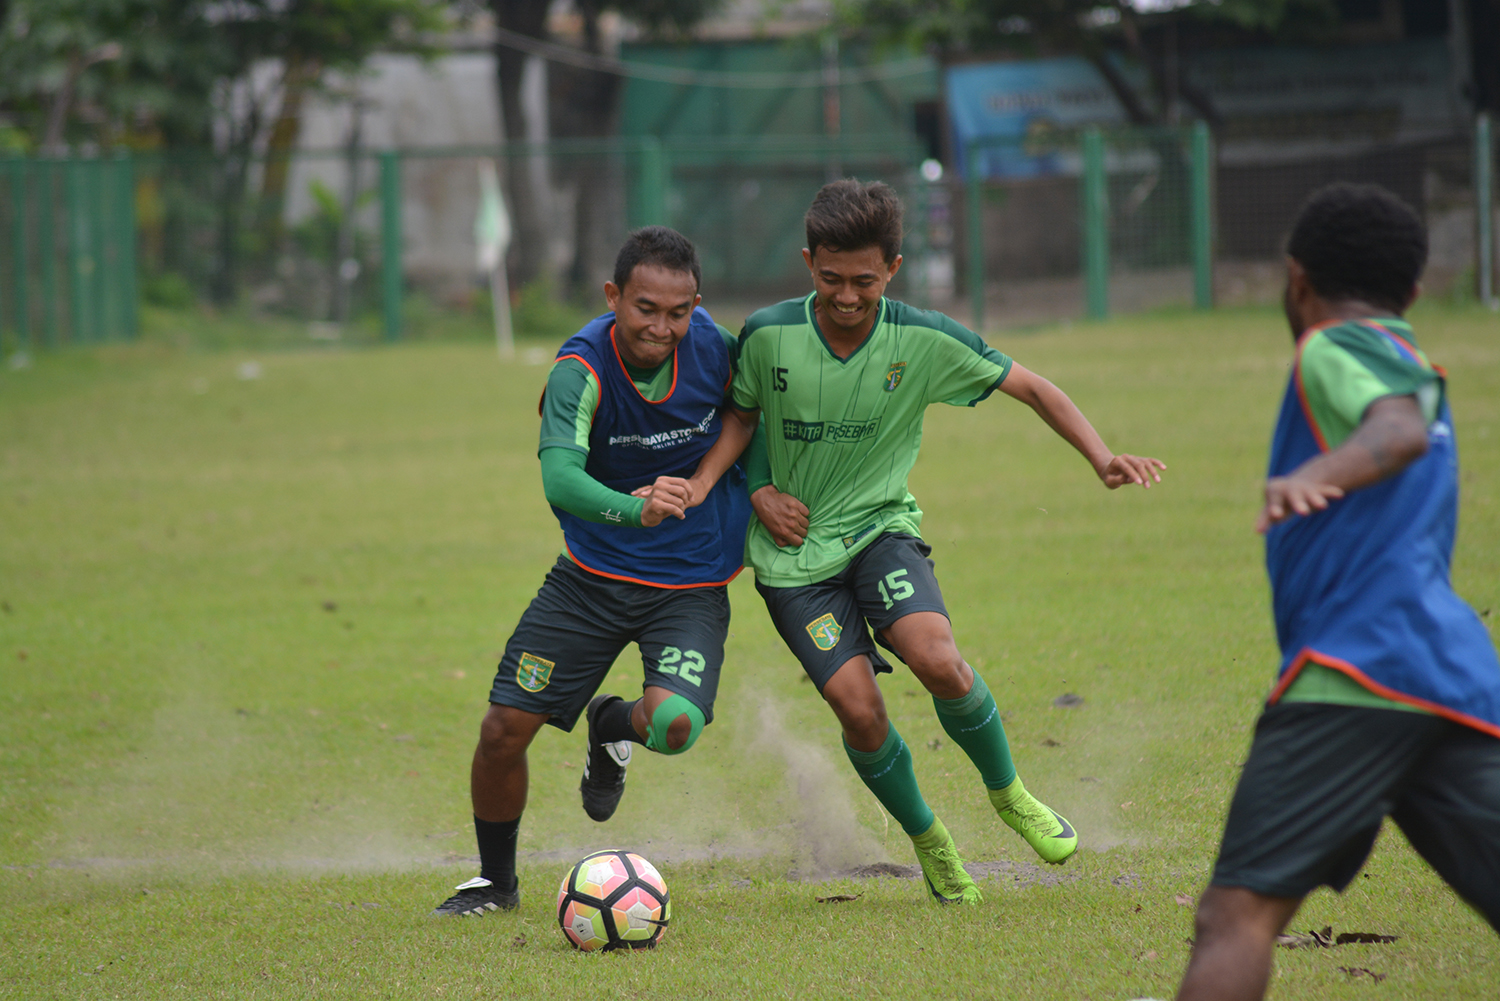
937, 659
865, 722
496, 740
674, 726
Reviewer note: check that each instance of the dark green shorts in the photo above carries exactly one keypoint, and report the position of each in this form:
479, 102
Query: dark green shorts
1321, 779
579, 622
828, 623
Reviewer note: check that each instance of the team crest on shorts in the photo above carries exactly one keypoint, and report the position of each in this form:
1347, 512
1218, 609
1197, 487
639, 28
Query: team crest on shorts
893, 377
534, 672
825, 631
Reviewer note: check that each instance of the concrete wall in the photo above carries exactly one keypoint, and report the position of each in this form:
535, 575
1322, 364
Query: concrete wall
408, 104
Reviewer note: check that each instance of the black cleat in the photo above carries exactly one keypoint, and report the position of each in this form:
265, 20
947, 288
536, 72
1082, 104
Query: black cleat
478, 897
604, 769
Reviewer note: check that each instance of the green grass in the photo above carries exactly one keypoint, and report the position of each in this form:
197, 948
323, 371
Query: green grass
248, 628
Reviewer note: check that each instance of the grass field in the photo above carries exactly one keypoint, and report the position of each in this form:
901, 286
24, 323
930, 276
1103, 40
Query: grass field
250, 607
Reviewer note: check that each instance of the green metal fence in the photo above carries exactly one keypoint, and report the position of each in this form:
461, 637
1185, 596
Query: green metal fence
359, 240
1143, 203
70, 274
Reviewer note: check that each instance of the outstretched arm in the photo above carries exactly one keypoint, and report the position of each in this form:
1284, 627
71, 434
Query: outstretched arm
1053, 406
1391, 436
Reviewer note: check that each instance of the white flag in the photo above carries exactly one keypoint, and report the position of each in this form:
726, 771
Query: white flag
492, 224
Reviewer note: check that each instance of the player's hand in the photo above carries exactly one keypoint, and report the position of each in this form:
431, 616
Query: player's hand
1123, 469
784, 516
698, 491
666, 498
1287, 496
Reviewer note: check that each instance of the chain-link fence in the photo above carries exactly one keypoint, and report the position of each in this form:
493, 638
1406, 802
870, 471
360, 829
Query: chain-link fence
360, 246
1082, 223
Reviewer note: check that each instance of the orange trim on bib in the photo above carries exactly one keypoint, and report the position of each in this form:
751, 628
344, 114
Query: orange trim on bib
1307, 412
648, 583
597, 381
1440, 370
633, 386
1308, 654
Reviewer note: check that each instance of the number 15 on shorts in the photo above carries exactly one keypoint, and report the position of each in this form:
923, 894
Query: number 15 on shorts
686, 664
899, 590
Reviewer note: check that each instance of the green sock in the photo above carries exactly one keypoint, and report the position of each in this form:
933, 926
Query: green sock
935, 836
973, 722
888, 774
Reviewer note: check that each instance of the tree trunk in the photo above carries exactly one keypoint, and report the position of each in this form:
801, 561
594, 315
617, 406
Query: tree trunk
527, 259
591, 98
300, 74
234, 167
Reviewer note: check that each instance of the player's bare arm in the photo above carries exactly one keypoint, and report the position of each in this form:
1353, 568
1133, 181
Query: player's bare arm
784, 516
1392, 435
734, 437
1053, 406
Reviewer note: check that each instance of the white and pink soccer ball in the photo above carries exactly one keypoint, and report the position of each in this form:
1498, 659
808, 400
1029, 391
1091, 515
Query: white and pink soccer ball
613, 900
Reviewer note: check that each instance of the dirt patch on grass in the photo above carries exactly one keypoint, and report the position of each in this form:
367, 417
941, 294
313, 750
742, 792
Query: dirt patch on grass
1017, 875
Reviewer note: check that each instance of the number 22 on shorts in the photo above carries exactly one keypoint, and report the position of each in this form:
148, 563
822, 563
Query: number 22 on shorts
899, 589
686, 664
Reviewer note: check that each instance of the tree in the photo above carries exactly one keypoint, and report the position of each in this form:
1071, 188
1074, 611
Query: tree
1151, 33
590, 99
179, 74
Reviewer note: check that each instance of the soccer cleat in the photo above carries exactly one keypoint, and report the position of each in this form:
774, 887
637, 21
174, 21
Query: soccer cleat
1044, 829
478, 896
943, 868
604, 769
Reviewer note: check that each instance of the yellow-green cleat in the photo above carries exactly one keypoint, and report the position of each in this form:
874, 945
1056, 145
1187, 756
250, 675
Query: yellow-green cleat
943, 868
1044, 829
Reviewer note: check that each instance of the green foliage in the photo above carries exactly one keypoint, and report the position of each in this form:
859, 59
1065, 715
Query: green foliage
156, 71
1069, 26
540, 313
317, 235
248, 617
1088, 28
168, 289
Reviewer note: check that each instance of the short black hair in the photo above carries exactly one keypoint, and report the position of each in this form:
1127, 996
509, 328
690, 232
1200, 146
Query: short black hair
848, 215
661, 246
1359, 241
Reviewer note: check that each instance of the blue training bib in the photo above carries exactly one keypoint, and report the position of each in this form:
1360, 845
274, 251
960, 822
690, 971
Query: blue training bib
1364, 588
634, 440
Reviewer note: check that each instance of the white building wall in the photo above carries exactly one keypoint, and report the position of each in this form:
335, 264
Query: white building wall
407, 104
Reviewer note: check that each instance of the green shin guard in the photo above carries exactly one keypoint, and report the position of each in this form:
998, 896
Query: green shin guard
666, 714
888, 774
973, 723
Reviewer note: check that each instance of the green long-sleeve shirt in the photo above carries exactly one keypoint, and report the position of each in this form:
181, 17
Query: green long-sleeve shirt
568, 409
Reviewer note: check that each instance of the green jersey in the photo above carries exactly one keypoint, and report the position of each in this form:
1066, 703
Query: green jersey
843, 433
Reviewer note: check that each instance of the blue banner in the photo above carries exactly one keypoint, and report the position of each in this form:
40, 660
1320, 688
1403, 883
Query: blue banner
1022, 102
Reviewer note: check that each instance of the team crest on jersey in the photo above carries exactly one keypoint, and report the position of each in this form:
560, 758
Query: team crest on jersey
534, 672
893, 377
825, 631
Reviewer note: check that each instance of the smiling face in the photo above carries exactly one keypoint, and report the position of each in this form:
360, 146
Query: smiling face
849, 284
652, 312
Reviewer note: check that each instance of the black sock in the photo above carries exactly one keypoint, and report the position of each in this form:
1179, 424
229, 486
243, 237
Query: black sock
497, 851
613, 723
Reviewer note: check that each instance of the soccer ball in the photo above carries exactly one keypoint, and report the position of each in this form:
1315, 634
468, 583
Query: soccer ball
613, 900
